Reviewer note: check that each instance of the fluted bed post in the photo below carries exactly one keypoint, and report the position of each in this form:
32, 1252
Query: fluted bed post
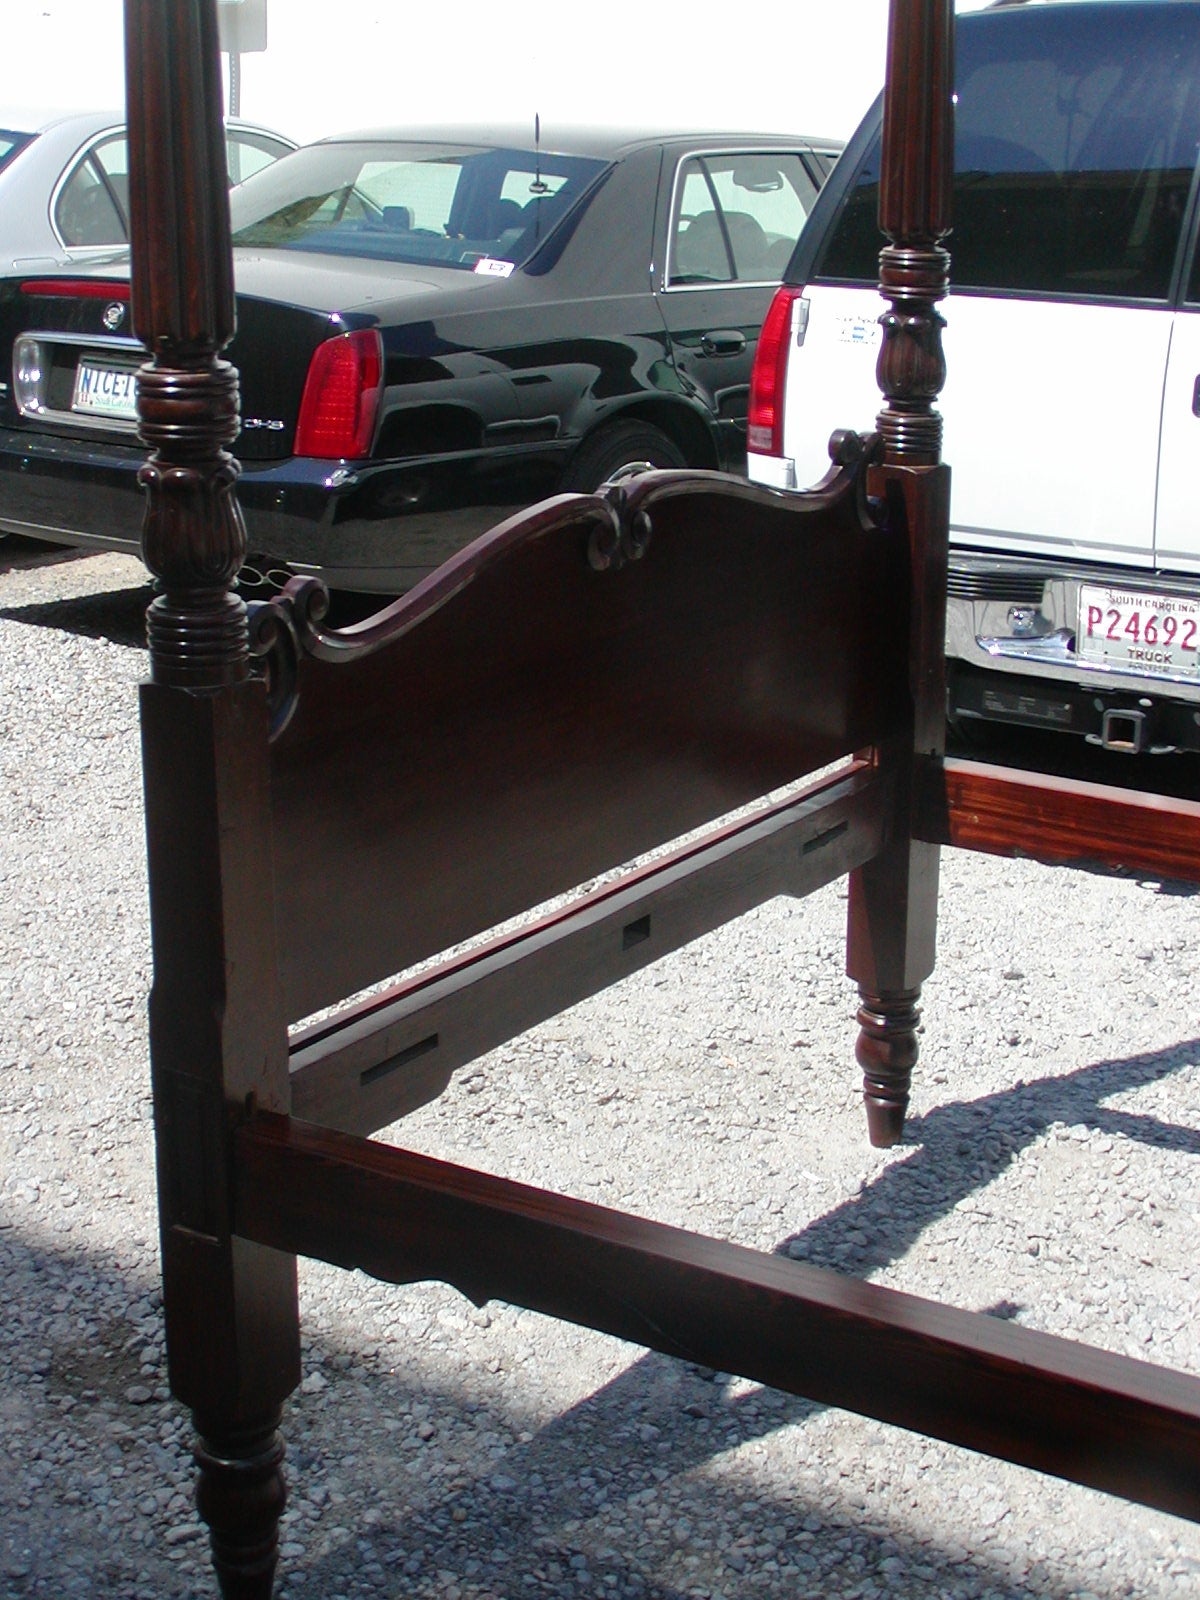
217, 1033
893, 901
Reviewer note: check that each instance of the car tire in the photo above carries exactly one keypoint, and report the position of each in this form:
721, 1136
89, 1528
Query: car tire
617, 451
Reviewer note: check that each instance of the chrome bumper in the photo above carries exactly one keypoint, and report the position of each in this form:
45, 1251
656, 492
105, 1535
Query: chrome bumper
1017, 615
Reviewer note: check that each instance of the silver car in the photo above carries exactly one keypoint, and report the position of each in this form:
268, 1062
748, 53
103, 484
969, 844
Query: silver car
64, 182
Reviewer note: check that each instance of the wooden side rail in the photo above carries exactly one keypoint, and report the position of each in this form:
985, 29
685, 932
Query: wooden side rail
375, 1061
1095, 1418
1059, 820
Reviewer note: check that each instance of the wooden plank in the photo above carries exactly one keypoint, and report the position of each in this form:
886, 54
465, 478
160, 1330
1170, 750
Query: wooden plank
977, 806
1095, 1418
377, 1060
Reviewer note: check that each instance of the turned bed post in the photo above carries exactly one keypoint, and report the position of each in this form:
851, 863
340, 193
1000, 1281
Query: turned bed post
217, 1032
893, 900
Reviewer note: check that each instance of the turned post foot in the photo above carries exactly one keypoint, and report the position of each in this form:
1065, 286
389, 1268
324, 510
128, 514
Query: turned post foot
241, 1495
887, 1052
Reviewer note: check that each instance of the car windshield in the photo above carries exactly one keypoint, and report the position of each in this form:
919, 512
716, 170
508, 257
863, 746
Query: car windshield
466, 207
11, 142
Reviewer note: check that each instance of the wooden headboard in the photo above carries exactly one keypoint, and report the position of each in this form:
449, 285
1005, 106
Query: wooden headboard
605, 727
555, 709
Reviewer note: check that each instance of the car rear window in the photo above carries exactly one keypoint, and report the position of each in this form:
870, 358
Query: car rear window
11, 142
465, 207
1074, 149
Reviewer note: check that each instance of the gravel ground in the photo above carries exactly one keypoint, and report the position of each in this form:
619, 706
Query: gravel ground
1051, 1174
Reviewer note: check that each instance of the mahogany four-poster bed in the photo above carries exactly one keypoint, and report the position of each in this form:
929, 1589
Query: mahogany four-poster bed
592, 679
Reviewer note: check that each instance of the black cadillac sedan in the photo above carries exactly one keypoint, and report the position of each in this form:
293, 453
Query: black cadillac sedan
433, 330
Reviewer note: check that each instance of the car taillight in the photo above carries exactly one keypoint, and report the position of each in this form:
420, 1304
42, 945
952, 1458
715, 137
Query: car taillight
769, 377
341, 397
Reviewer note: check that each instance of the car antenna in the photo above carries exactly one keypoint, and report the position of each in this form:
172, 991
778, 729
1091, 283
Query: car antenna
538, 186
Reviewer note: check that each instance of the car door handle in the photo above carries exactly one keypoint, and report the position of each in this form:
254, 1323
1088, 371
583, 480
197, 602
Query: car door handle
723, 342
1196, 398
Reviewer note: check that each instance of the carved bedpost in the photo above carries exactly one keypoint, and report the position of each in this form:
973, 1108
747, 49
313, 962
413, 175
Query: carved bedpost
893, 901
217, 1032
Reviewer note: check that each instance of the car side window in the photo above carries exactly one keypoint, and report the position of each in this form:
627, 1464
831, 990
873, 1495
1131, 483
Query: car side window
92, 207
248, 153
737, 217
1073, 161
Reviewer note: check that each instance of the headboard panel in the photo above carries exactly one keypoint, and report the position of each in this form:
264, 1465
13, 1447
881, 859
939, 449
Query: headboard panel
738, 653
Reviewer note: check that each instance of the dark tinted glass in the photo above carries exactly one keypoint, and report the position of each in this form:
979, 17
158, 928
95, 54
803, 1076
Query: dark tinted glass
1075, 139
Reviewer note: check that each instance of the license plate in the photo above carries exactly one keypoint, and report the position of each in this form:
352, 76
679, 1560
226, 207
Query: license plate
1155, 635
105, 391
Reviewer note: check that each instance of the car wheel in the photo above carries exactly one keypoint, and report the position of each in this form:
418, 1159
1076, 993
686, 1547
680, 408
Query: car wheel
615, 452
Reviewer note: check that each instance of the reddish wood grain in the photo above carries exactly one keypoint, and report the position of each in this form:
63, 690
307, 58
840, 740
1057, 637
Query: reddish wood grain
544, 722
1092, 1417
1006, 812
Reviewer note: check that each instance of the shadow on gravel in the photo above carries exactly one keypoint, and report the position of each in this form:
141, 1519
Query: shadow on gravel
593, 1502
960, 1148
19, 554
119, 615
965, 1145
586, 1507
663, 1419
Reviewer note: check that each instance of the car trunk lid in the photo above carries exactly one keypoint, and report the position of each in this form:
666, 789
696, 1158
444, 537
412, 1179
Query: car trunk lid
74, 352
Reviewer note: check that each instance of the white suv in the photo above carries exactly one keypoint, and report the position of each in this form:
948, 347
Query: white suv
1072, 403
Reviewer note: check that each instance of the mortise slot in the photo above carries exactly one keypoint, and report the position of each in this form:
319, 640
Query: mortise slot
819, 840
400, 1059
635, 932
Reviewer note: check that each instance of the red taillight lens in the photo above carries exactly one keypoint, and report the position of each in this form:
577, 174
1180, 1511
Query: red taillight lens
341, 397
767, 381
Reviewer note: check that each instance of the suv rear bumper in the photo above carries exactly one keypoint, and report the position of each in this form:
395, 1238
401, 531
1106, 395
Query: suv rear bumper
1119, 720
1010, 647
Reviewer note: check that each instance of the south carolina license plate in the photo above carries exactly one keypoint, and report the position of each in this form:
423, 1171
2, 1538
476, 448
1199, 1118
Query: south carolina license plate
1157, 635
108, 391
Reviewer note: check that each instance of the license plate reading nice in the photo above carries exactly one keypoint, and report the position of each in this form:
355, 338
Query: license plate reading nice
107, 391
1155, 635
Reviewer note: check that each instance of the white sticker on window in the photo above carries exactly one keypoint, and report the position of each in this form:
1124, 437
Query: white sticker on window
494, 267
